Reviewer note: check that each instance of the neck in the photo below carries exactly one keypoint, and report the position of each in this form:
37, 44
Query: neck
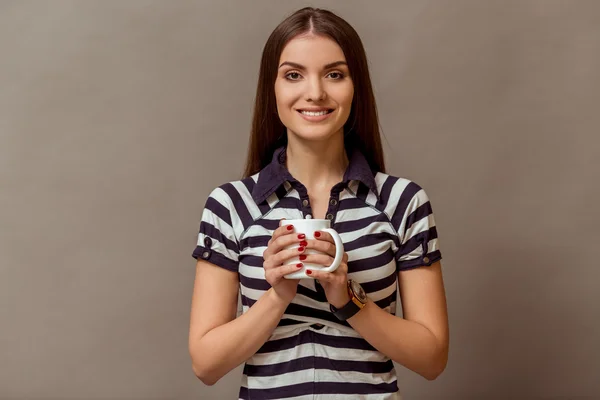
317, 165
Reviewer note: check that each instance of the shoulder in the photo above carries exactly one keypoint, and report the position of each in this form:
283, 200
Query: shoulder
234, 191
392, 187
382, 179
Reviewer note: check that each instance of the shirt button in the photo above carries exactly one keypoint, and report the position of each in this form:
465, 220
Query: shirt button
305, 203
329, 216
333, 202
308, 216
426, 259
206, 254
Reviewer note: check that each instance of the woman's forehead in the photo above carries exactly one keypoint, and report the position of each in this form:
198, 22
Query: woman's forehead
312, 51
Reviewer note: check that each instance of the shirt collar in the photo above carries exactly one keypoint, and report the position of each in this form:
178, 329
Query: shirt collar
275, 174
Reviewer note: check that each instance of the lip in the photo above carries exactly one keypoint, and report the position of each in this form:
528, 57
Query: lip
314, 109
317, 118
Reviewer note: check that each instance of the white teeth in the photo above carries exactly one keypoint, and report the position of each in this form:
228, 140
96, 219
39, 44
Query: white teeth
313, 113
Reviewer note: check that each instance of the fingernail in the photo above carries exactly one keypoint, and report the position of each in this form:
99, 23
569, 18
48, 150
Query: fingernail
302, 257
303, 243
308, 272
300, 249
301, 236
290, 227
299, 265
317, 234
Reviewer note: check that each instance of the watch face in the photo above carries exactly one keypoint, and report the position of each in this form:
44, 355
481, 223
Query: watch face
358, 291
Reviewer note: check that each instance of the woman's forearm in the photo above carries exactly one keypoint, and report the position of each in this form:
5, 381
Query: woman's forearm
227, 346
406, 342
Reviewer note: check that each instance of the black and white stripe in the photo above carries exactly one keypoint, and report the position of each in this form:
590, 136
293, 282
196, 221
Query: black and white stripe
311, 354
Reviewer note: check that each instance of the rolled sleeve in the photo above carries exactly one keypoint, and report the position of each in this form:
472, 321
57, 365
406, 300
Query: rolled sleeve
418, 235
217, 241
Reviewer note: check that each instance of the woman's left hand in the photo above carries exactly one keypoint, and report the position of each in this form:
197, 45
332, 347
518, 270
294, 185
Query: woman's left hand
334, 283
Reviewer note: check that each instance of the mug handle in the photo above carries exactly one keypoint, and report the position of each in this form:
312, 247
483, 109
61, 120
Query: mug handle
339, 250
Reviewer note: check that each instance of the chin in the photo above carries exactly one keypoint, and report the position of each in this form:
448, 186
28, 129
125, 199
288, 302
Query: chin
312, 136
317, 133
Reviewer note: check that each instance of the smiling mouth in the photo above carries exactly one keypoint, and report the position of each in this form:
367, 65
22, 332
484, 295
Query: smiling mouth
315, 113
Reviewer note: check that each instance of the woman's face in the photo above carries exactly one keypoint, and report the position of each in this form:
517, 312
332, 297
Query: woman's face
313, 88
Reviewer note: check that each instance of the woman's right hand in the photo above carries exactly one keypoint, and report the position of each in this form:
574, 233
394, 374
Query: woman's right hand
276, 254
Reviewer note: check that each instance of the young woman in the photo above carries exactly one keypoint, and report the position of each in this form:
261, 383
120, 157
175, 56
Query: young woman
315, 152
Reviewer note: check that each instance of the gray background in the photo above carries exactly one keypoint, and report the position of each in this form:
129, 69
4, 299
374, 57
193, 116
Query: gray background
114, 115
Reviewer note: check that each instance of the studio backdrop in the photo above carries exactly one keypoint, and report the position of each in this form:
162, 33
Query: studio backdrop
117, 119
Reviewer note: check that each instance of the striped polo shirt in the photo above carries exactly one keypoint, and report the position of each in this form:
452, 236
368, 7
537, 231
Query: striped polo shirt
386, 224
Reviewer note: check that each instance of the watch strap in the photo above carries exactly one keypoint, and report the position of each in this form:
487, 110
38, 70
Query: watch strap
345, 312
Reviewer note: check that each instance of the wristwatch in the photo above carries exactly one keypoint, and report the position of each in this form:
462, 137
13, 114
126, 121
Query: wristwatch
358, 299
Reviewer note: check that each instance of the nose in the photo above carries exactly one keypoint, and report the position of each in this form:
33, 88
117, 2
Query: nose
315, 90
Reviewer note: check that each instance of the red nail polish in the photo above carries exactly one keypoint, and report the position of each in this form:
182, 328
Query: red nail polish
303, 243
300, 249
308, 272
301, 236
302, 257
299, 265
317, 234
290, 227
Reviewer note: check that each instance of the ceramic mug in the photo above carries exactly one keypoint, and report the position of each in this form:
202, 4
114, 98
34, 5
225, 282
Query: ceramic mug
308, 227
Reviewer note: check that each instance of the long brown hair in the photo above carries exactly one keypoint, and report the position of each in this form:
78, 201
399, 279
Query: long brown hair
362, 128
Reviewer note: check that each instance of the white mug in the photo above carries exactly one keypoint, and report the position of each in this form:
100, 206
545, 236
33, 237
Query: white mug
308, 227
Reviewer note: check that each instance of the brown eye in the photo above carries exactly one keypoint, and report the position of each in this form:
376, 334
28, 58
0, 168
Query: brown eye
293, 76
336, 75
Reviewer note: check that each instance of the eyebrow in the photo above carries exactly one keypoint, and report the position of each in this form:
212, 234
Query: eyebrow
299, 66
